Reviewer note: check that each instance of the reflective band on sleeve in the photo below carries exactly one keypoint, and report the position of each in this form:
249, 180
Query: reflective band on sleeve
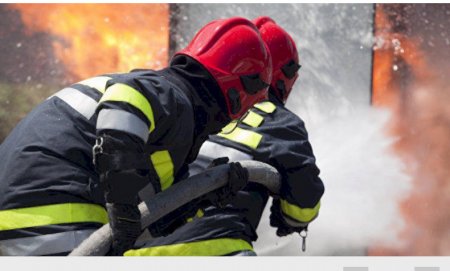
214, 150
52, 214
123, 121
211, 150
266, 106
127, 94
214, 247
230, 126
252, 119
247, 138
297, 213
162, 163
44, 244
198, 214
98, 83
79, 101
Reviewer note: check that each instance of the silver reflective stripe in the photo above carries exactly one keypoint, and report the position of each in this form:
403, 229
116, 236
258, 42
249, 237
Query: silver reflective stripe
44, 244
122, 121
215, 150
79, 101
209, 151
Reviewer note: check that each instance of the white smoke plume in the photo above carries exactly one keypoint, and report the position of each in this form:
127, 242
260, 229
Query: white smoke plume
364, 182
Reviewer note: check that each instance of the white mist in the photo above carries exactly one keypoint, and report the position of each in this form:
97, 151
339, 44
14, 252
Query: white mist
364, 182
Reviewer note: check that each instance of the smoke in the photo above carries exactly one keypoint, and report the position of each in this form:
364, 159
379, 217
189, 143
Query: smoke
415, 88
422, 123
426, 133
385, 169
364, 181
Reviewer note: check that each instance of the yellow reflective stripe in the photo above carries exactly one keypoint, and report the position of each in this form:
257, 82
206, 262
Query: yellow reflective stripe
99, 83
199, 213
245, 137
215, 247
162, 162
266, 106
297, 213
229, 127
252, 119
124, 93
52, 214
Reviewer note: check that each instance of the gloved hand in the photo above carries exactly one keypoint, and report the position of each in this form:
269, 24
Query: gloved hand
177, 218
237, 179
284, 225
125, 222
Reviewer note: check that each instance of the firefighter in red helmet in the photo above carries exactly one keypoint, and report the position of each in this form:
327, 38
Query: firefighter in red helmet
269, 133
79, 159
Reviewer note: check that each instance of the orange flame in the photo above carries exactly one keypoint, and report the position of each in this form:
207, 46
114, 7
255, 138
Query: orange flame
91, 39
418, 96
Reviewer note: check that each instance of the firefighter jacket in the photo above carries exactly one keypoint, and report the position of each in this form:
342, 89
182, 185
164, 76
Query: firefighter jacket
269, 133
50, 195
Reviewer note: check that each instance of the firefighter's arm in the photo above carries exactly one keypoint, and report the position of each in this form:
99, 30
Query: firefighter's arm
299, 201
301, 188
125, 119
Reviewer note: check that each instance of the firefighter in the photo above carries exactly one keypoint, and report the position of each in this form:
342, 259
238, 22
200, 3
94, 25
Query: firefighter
269, 133
79, 159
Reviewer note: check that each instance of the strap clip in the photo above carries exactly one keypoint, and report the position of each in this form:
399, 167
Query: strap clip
97, 149
303, 235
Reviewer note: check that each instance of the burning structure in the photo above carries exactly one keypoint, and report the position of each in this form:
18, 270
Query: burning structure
96, 38
52, 45
410, 67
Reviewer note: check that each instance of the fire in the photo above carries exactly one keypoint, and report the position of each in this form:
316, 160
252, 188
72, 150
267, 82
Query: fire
406, 82
92, 39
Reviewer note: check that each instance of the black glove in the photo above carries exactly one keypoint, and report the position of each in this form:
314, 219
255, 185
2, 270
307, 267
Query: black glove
281, 222
220, 197
125, 222
237, 179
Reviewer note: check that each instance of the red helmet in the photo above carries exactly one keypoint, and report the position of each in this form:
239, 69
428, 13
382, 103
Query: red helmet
285, 62
233, 51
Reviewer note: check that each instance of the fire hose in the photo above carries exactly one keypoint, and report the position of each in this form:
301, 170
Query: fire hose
99, 242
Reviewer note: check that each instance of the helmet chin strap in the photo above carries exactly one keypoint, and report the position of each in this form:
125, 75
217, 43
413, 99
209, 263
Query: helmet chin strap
235, 101
281, 88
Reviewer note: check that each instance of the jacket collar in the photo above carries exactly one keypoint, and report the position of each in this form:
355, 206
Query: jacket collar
202, 90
